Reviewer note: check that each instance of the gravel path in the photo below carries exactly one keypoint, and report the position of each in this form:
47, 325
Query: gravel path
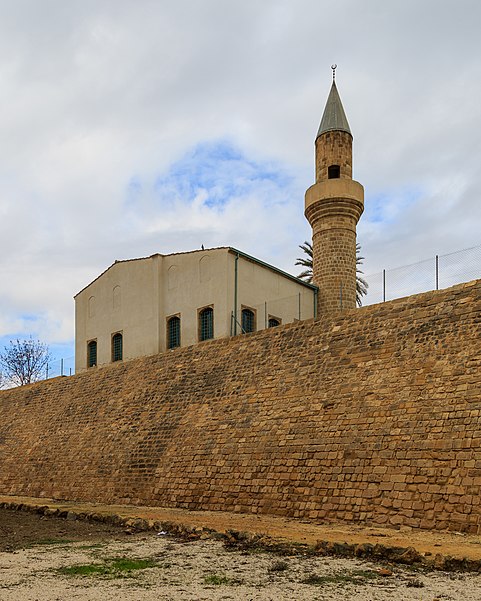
203, 570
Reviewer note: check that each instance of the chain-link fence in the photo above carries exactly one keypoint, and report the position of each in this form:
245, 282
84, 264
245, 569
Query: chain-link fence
60, 367
64, 366
438, 272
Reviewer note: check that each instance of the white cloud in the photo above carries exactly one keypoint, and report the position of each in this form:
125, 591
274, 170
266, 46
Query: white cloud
99, 100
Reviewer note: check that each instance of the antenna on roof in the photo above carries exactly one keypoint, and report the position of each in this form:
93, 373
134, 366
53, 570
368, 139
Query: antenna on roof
334, 67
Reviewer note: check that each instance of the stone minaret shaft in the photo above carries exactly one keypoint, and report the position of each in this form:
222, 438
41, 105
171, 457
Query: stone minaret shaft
334, 205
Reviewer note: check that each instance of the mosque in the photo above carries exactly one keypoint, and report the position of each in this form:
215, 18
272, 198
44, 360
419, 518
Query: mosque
149, 305
368, 416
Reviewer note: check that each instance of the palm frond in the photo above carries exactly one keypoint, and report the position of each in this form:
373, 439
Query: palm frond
361, 284
305, 262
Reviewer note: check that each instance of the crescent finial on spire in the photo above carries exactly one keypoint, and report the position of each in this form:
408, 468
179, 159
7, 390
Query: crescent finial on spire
334, 67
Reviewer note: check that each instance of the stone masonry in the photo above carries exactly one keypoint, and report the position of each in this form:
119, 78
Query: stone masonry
333, 207
371, 415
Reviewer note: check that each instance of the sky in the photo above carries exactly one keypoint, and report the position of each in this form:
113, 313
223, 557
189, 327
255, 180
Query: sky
131, 128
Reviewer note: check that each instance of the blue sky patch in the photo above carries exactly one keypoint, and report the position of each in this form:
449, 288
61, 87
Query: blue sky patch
384, 206
220, 171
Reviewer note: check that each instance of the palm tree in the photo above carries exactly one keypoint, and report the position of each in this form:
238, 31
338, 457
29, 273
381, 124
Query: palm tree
306, 262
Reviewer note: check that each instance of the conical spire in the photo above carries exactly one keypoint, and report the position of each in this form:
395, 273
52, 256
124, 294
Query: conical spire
334, 117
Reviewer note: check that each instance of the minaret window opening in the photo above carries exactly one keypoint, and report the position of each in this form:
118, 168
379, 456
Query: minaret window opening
333, 172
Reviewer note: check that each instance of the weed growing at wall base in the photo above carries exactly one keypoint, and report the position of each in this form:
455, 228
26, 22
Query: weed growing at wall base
354, 577
119, 567
220, 579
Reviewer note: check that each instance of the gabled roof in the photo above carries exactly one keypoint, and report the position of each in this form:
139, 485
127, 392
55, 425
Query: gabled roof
334, 118
226, 248
272, 268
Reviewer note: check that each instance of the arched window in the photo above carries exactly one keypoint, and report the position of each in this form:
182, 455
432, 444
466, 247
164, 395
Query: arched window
205, 268
173, 332
92, 353
173, 277
333, 172
116, 297
206, 323
273, 322
91, 304
248, 321
117, 350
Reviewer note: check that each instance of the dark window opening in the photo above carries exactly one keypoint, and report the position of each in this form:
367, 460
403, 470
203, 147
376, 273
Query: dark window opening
92, 353
333, 172
117, 347
273, 322
173, 332
206, 324
248, 321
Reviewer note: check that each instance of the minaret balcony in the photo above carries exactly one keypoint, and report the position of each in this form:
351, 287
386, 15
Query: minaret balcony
335, 196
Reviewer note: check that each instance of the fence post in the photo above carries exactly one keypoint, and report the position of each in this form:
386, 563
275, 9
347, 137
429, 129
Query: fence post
383, 285
61, 367
437, 272
46, 375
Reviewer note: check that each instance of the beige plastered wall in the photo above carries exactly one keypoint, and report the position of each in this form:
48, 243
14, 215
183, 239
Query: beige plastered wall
137, 297
192, 281
124, 299
269, 294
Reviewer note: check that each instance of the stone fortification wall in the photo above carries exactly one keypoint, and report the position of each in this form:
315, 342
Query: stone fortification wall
371, 415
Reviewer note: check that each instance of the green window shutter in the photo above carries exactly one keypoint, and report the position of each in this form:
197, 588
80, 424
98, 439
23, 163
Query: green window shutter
117, 347
173, 332
206, 324
248, 321
92, 353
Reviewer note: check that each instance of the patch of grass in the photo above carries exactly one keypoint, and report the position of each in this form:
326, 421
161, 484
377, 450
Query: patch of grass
92, 546
366, 574
119, 567
354, 577
51, 541
278, 566
218, 579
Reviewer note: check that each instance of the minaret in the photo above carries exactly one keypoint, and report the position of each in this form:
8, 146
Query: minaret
334, 205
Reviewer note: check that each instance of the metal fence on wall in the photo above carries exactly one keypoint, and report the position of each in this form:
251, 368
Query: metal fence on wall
296, 307
438, 272
55, 368
60, 367
441, 271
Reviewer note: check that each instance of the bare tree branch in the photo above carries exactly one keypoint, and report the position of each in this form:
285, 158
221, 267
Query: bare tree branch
24, 361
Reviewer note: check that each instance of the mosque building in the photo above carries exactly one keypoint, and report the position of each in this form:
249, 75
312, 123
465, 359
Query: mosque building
150, 305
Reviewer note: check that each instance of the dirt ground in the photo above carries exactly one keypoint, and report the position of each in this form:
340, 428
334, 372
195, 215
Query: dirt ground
307, 532
22, 529
53, 559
